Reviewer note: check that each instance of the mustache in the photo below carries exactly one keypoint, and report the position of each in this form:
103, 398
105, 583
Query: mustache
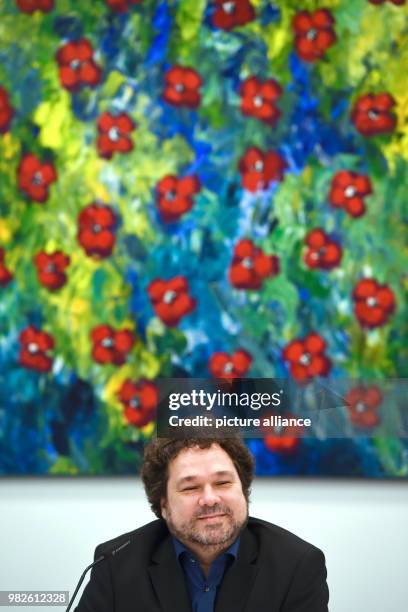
217, 509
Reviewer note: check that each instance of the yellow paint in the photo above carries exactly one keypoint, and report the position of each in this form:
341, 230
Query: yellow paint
276, 37
80, 306
307, 175
189, 17
398, 144
91, 172
114, 81
149, 364
11, 147
148, 429
51, 117
5, 233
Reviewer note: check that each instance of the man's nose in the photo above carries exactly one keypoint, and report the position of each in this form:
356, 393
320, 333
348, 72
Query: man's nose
209, 496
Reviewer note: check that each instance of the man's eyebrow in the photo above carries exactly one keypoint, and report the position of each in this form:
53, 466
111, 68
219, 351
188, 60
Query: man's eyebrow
223, 473
186, 479
218, 474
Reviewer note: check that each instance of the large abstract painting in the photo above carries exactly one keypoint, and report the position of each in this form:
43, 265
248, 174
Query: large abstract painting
199, 189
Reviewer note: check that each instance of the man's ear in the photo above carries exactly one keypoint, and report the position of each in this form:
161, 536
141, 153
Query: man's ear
163, 506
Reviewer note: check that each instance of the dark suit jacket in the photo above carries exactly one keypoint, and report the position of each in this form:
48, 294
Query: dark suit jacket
275, 571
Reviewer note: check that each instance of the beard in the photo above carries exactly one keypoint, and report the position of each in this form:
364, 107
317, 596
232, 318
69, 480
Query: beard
218, 534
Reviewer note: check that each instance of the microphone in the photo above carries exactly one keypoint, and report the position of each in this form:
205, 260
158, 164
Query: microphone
110, 553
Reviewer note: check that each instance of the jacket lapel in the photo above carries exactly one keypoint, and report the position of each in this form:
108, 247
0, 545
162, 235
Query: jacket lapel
239, 579
168, 579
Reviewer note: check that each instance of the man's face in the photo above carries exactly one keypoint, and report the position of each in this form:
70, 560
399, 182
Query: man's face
205, 503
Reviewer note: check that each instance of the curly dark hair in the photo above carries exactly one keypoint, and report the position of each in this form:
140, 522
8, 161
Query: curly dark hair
161, 451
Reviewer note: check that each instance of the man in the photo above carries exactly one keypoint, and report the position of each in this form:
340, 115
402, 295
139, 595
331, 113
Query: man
204, 554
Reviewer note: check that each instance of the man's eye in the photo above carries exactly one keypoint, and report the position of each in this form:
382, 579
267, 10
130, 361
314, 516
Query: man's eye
223, 482
190, 489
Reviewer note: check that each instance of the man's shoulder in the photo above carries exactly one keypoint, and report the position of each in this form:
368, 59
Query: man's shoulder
274, 538
144, 539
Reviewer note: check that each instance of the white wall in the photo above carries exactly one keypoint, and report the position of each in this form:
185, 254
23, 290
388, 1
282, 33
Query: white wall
49, 528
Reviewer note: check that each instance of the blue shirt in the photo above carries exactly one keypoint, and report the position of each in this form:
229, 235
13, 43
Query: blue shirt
203, 589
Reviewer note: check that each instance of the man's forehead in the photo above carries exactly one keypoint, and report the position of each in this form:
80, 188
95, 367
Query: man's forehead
196, 461
188, 477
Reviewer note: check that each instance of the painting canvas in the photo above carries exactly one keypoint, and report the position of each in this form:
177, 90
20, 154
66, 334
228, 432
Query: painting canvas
199, 189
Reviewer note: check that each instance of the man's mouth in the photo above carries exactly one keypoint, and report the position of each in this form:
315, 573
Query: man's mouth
211, 517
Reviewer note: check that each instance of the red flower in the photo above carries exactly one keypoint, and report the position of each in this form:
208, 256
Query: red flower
174, 196
5, 274
6, 111
170, 299
110, 346
373, 303
77, 66
314, 33
322, 252
282, 438
259, 168
223, 365
140, 401
182, 87
348, 190
396, 2
251, 266
306, 357
362, 404
232, 13
372, 114
34, 347
258, 99
51, 269
30, 6
114, 134
281, 444
34, 177
121, 6
96, 225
